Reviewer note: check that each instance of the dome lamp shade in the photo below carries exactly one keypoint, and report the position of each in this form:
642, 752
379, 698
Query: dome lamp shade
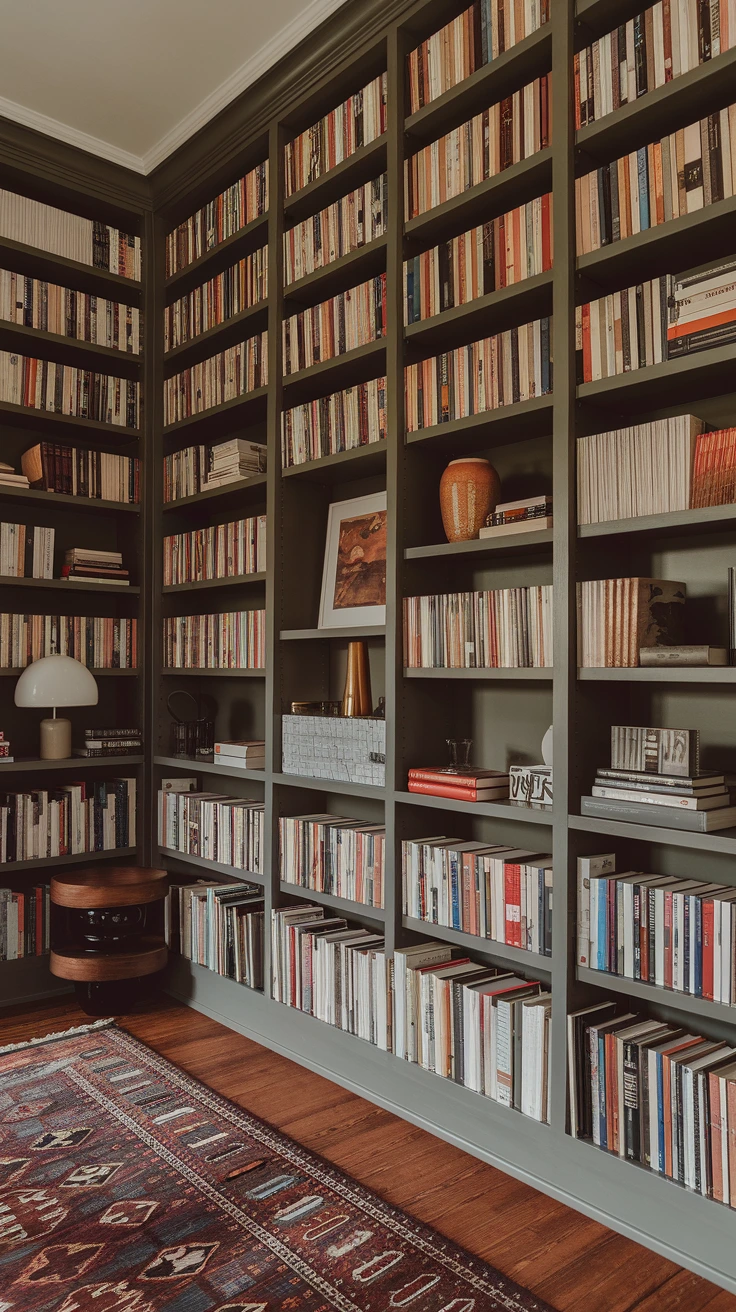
56, 681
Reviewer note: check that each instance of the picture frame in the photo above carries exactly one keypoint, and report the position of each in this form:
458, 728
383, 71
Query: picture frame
354, 572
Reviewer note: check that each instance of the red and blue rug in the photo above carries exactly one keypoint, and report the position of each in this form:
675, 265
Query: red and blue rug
127, 1186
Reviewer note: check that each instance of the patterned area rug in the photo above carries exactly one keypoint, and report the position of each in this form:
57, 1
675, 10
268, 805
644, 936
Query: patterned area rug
127, 1186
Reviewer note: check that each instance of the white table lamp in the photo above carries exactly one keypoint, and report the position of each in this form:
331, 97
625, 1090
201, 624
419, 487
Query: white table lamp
56, 681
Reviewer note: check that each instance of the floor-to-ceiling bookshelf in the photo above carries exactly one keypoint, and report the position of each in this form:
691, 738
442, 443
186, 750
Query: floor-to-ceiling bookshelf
505, 712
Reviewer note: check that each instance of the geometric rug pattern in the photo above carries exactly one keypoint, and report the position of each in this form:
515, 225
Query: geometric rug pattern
128, 1186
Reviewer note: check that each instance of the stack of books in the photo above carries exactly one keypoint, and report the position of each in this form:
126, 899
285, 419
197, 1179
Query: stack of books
234, 459
90, 565
702, 311
9, 478
522, 516
619, 617
219, 219
228, 830
219, 926
655, 779
110, 742
26, 552
465, 783
98, 641
5, 756
243, 755
69, 819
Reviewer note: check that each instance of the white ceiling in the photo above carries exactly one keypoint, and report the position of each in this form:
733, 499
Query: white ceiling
132, 81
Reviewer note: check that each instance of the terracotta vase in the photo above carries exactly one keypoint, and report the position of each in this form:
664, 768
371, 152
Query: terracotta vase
469, 489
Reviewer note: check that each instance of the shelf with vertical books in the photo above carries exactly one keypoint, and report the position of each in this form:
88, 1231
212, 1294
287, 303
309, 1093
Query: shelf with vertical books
336, 372
518, 183
251, 320
118, 854
689, 378
500, 953
214, 867
64, 427
359, 909
246, 409
346, 271
220, 257
365, 163
36, 342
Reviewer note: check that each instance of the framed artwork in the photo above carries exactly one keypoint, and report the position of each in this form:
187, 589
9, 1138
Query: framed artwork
354, 575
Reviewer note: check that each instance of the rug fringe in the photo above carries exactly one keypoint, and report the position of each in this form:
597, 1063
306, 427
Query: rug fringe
61, 1034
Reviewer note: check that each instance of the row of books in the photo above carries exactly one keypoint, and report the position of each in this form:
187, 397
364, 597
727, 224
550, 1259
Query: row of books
478, 35
87, 241
345, 321
496, 254
221, 551
508, 628
682, 173
99, 642
68, 390
511, 130
222, 377
616, 618
213, 302
357, 121
654, 469
333, 971
513, 366
676, 933
26, 552
232, 641
483, 1028
219, 219
655, 1094
78, 472
622, 331
25, 920
353, 221
54, 309
110, 742
496, 892
219, 926
68, 820
229, 830
194, 469
339, 422
647, 52
332, 854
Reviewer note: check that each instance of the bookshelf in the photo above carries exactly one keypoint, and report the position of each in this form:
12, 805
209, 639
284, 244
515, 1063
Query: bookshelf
506, 710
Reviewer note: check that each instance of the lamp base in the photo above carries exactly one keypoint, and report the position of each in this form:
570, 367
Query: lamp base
56, 740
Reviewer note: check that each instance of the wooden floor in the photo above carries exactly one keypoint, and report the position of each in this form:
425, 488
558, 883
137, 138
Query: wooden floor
573, 1263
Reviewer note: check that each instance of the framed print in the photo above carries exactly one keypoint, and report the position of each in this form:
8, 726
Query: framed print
354, 575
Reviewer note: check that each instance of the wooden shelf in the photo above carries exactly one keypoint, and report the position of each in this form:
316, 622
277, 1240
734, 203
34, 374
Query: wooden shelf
248, 408
724, 841
37, 343
220, 257
494, 810
359, 462
504, 191
501, 427
65, 427
60, 585
689, 378
205, 585
505, 545
215, 867
708, 519
72, 763
350, 631
337, 903
521, 303
362, 166
341, 787
340, 371
347, 271
657, 674
206, 673
95, 504
652, 993
117, 854
530, 963
543, 675
234, 489
505, 74
245, 324
36, 263
208, 767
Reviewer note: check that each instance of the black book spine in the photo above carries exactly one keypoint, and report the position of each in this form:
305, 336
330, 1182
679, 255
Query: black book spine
631, 1126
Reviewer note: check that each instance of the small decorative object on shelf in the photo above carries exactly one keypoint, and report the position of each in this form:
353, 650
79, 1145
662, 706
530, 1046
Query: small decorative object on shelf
194, 737
356, 699
469, 489
354, 573
316, 708
243, 755
348, 749
692, 655
233, 460
90, 565
56, 681
110, 742
522, 516
655, 779
530, 785
459, 750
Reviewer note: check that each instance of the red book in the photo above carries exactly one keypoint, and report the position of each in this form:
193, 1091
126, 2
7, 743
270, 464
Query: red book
708, 919
458, 794
478, 778
512, 898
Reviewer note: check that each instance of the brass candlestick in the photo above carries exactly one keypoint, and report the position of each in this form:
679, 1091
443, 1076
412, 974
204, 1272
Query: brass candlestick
356, 699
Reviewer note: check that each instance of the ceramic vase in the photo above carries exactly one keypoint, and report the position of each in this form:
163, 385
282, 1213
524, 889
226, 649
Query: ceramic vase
469, 489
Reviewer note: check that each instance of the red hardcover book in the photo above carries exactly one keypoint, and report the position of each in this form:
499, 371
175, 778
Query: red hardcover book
478, 778
458, 794
708, 921
512, 899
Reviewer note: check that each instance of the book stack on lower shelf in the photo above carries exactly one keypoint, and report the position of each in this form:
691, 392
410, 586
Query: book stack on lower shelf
462, 783
241, 755
655, 779
91, 565
493, 891
335, 855
110, 742
24, 922
68, 820
219, 926
195, 468
654, 1094
524, 516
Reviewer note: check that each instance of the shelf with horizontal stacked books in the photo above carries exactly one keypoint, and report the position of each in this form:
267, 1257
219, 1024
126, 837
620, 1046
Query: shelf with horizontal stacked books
33, 765
658, 996
340, 787
95, 504
346, 271
501, 427
39, 344
507, 73
66, 427
336, 373
705, 519
202, 672
35, 263
28, 979
506, 544
339, 904
61, 585
357, 462
505, 673
364, 164
504, 191
207, 767
218, 258
206, 585
346, 633
690, 378
239, 326
227, 491
118, 854
248, 408
508, 307
214, 867
660, 674
494, 810
723, 841
532, 963
683, 100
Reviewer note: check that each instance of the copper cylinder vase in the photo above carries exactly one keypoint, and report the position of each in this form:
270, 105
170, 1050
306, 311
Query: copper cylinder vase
356, 699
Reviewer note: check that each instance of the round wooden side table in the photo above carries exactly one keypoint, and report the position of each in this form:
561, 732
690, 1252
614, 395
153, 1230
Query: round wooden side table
105, 933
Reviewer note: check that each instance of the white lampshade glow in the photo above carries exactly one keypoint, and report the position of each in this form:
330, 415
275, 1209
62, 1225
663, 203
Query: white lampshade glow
56, 681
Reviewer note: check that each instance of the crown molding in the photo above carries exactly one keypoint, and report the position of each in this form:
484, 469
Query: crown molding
52, 127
